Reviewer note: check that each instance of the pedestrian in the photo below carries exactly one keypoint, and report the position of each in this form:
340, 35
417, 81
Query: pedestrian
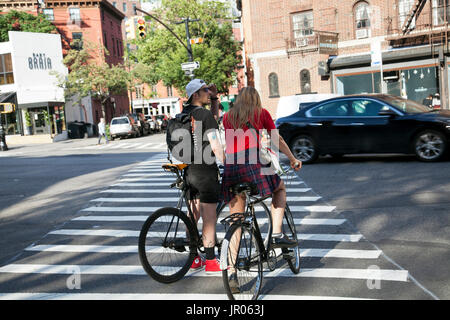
428, 101
244, 165
436, 101
203, 175
102, 131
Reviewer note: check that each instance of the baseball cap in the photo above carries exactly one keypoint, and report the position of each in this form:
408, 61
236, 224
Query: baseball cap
193, 86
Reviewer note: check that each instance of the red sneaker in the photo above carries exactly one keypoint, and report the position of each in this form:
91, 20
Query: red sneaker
197, 263
212, 266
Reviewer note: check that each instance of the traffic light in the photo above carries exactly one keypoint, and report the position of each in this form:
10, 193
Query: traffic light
130, 28
141, 27
196, 40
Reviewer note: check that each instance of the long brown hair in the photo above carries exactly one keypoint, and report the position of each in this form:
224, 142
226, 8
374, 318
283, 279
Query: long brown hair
247, 104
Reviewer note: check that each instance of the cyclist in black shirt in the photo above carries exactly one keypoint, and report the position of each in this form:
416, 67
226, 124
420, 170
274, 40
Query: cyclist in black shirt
202, 175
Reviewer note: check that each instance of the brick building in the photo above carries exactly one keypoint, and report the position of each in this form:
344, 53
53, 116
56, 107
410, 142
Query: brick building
94, 21
303, 46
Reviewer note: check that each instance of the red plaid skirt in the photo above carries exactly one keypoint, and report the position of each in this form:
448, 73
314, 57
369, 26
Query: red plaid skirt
237, 173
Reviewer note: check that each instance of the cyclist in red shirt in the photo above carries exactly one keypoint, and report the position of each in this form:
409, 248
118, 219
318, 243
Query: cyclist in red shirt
242, 163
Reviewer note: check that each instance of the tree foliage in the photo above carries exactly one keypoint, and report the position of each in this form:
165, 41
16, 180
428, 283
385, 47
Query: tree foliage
22, 21
218, 54
91, 75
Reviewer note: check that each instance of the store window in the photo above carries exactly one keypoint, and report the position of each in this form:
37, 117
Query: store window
273, 85
6, 70
419, 83
359, 83
441, 12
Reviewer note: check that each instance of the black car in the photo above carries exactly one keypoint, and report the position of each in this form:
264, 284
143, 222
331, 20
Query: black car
375, 123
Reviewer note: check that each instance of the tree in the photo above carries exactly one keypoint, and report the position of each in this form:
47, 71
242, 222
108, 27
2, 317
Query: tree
87, 77
218, 54
22, 21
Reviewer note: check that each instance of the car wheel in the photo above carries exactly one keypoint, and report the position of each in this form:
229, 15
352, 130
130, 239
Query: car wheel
304, 148
430, 145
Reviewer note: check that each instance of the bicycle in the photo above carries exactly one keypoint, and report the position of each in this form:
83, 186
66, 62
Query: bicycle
169, 239
244, 250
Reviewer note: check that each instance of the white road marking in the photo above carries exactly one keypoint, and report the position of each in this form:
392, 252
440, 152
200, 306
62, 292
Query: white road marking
312, 252
363, 274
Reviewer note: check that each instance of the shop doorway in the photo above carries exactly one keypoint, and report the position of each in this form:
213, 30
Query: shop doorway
38, 120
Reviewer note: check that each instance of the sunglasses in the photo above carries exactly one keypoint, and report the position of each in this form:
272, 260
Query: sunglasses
204, 89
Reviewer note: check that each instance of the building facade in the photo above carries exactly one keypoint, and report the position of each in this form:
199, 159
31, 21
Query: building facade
27, 63
296, 47
79, 22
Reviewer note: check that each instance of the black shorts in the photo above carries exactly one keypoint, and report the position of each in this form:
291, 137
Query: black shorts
204, 183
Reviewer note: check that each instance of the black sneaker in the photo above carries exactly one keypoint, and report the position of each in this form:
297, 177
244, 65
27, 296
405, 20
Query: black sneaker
283, 242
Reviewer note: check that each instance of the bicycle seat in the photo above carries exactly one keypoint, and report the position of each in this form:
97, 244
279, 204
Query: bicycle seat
244, 186
173, 167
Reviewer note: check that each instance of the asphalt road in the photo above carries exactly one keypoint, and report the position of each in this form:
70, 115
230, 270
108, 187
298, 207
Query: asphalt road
399, 205
43, 186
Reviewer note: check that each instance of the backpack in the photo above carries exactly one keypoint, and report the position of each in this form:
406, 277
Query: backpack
179, 136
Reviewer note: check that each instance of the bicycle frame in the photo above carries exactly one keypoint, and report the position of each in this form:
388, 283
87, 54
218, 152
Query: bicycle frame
248, 218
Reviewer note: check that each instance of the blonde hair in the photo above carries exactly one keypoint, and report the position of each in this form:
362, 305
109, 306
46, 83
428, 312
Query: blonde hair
247, 104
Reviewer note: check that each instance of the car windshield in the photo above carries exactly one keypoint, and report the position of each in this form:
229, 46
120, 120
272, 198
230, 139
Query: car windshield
405, 105
119, 121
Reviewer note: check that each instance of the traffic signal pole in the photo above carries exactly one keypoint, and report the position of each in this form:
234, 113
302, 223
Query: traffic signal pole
188, 47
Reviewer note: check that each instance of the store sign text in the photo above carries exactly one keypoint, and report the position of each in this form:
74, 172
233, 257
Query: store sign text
39, 62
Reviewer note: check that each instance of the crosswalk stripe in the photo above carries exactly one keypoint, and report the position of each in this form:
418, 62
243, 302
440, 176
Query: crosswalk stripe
173, 178
261, 221
140, 190
137, 270
134, 233
176, 199
168, 190
294, 209
312, 252
152, 296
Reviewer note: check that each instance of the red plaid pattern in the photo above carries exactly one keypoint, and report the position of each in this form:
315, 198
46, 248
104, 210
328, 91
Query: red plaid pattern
237, 173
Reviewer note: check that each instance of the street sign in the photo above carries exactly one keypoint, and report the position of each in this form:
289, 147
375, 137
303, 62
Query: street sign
190, 66
7, 107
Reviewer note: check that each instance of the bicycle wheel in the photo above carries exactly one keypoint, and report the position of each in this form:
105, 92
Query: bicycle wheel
241, 263
292, 255
167, 245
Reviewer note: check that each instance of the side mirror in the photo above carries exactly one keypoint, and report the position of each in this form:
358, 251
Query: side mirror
390, 113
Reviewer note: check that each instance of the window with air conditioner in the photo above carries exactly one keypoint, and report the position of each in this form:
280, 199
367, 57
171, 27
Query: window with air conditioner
362, 20
302, 27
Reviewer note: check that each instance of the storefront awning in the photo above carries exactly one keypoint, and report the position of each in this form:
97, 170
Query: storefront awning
394, 55
7, 97
41, 104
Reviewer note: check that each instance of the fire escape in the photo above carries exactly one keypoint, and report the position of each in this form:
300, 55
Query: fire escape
435, 31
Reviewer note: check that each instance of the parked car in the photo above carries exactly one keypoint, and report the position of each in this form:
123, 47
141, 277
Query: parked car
141, 123
375, 123
152, 123
162, 121
122, 127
